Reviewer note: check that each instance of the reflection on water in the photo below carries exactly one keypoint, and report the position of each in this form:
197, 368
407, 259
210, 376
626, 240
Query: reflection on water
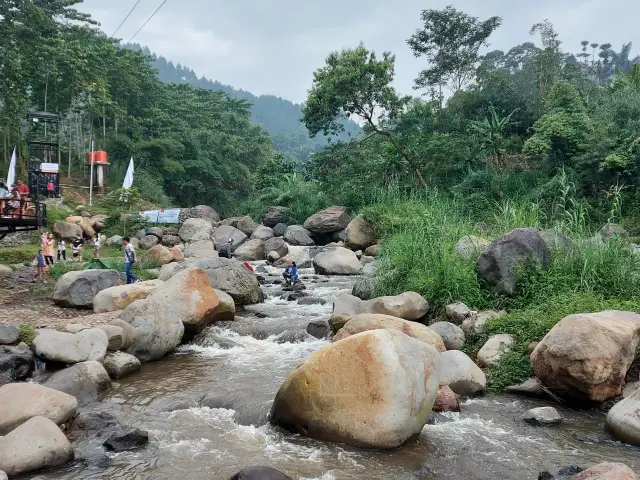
241, 365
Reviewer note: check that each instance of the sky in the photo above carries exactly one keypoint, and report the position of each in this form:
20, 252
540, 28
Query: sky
273, 47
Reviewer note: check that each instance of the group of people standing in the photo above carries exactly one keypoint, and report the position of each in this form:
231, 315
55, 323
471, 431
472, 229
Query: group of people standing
49, 245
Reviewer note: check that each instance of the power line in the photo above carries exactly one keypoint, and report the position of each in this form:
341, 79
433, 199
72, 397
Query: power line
125, 18
143, 25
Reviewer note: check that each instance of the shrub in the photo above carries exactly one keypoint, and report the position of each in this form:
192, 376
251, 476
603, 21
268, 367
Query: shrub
20, 254
26, 333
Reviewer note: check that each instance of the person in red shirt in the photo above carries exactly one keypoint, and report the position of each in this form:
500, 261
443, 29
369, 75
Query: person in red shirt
23, 190
50, 189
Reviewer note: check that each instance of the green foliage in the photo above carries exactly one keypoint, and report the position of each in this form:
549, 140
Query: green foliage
18, 255
26, 333
55, 215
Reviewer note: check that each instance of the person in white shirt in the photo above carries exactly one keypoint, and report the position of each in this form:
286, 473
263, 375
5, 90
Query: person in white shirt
129, 259
96, 246
62, 250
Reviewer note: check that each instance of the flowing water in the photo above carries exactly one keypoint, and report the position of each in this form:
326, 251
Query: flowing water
239, 366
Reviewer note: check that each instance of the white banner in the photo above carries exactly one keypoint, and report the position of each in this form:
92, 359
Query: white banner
162, 216
49, 167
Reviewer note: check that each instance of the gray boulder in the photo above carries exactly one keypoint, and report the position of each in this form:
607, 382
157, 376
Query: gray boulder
498, 263
77, 289
34, 445
452, 335
278, 245
542, 416
231, 222
329, 220
612, 230
15, 364
69, 348
273, 256
194, 229
276, 215
200, 249
225, 232
129, 332
279, 229
407, 305
251, 250
372, 251
67, 231
157, 231
299, 236
126, 438
337, 261
457, 312
114, 240
22, 401
319, 329
623, 420
205, 211
171, 240
120, 364
115, 336
247, 226
470, 246
262, 233
148, 241
85, 381
459, 372
9, 334
555, 240
364, 288
494, 348
360, 233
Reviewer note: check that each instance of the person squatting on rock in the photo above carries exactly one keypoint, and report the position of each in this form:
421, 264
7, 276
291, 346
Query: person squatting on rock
291, 274
226, 250
129, 260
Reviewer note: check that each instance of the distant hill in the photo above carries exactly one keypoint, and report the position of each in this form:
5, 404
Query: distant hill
279, 117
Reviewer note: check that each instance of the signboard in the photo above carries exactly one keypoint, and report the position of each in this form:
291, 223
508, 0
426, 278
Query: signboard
162, 216
49, 167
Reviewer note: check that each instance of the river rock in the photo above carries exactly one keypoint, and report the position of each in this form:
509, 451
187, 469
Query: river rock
446, 401
9, 334
200, 249
112, 241
192, 228
228, 275
34, 445
226, 309
148, 241
471, 246
85, 381
364, 288
5, 270
273, 257
15, 364
493, 349
120, 364
22, 401
387, 385
251, 251
231, 222
457, 312
528, 388
368, 321
360, 234
585, 357
319, 329
226, 232
612, 230
351, 306
542, 416
372, 251
115, 336
299, 236
278, 245
67, 231
120, 297
555, 240
463, 376
407, 305
247, 226
452, 335
69, 348
171, 240
129, 332
623, 420
499, 262
337, 261
338, 320
259, 473
262, 233
205, 211
332, 219
276, 215
126, 438
606, 471
79, 288
279, 229
160, 254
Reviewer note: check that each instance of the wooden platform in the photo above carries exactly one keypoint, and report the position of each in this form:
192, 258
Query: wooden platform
32, 217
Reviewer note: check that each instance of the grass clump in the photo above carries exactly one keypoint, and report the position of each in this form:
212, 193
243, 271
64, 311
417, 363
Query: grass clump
26, 333
20, 254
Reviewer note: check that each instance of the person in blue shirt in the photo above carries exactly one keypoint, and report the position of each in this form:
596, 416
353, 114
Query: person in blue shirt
291, 274
3, 190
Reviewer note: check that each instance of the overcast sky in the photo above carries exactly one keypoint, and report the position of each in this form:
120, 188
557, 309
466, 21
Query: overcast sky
273, 46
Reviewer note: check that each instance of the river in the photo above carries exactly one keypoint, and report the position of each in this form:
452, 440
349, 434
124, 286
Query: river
240, 365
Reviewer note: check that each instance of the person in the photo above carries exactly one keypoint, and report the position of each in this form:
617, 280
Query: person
23, 190
62, 250
129, 259
226, 250
43, 241
96, 246
42, 265
48, 250
14, 203
3, 190
50, 189
75, 250
291, 273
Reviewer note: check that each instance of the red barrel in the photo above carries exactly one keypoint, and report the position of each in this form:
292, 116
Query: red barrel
97, 157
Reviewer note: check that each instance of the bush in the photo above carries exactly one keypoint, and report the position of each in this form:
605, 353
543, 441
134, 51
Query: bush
20, 254
26, 333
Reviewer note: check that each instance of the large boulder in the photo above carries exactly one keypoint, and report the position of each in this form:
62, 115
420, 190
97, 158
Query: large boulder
168, 270
446, 401
452, 335
157, 231
606, 471
279, 229
382, 396
15, 364
115, 335
79, 288
585, 357
299, 236
120, 297
120, 364
623, 420
231, 222
457, 312
351, 306
21, 401
226, 232
205, 211
278, 245
276, 215
612, 230
337, 261
228, 275
371, 321
195, 229
9, 334
34, 445
407, 305
471, 246
499, 262
148, 241
329, 220
114, 240
262, 233
251, 250
459, 372
171, 240
372, 251
494, 348
555, 240
160, 254
226, 309
85, 381
200, 249
69, 348
360, 234
247, 226
67, 231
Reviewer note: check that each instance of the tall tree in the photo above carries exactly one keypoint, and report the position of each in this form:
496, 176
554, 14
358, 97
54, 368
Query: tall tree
450, 40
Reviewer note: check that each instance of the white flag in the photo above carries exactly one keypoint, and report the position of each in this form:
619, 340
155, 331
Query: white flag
128, 178
11, 176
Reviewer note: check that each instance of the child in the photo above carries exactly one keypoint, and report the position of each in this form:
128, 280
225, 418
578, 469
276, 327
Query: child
50, 189
75, 249
42, 265
62, 250
96, 246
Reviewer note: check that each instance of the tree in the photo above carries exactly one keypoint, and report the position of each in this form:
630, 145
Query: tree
355, 83
450, 41
491, 132
549, 61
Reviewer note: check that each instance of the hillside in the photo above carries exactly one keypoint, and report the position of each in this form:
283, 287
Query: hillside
279, 117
